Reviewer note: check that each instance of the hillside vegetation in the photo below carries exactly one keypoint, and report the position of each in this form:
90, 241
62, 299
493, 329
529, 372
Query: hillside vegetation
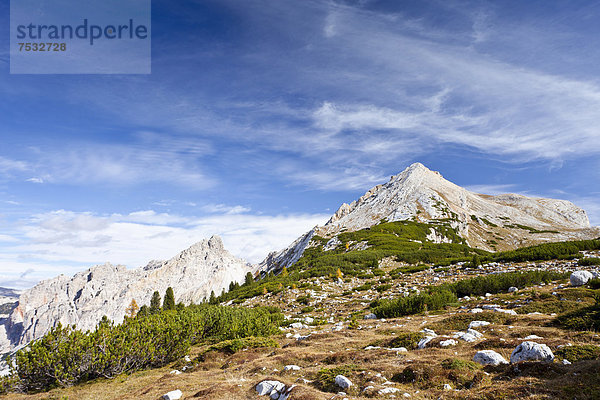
359, 254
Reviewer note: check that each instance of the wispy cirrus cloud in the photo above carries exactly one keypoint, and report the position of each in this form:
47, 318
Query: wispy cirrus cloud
9, 165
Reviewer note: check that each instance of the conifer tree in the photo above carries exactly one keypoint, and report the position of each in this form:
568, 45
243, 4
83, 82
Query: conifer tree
169, 301
213, 298
249, 279
284, 272
104, 322
155, 303
132, 310
143, 312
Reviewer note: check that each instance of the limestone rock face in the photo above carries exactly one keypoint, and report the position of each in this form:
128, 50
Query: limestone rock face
108, 290
289, 255
491, 223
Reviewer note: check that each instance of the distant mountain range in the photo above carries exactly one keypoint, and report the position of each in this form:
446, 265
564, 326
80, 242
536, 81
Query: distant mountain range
417, 194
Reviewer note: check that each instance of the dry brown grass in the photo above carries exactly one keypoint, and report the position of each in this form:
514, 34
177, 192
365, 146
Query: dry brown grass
218, 375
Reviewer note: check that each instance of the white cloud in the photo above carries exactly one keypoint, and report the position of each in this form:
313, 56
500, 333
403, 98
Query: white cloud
7, 165
222, 208
146, 161
61, 241
68, 221
336, 178
488, 104
8, 238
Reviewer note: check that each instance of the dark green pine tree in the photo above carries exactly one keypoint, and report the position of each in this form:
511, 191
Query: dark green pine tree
249, 279
143, 312
213, 298
155, 303
169, 301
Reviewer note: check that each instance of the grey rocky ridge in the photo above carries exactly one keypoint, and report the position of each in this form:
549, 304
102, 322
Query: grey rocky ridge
491, 223
82, 300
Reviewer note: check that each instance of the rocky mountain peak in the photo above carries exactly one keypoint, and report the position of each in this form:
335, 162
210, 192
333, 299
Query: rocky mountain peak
107, 289
419, 194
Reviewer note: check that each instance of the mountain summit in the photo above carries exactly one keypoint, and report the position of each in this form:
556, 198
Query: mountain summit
108, 290
487, 222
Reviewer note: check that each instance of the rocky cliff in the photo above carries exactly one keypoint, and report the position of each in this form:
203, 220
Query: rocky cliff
491, 223
108, 290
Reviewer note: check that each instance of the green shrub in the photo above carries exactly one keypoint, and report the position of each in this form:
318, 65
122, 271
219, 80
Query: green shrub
547, 251
584, 319
594, 283
458, 364
8, 384
65, 356
326, 377
365, 286
588, 261
460, 322
414, 304
498, 283
412, 374
578, 352
383, 288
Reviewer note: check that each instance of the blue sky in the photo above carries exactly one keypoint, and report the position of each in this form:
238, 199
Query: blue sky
261, 117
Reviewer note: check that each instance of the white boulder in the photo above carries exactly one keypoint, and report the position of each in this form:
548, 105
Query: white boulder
343, 382
579, 278
470, 335
489, 357
513, 289
388, 390
449, 342
172, 395
531, 351
273, 389
477, 324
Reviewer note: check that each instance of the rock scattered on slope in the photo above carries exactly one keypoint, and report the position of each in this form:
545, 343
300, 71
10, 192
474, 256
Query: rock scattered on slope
531, 351
489, 357
274, 389
172, 395
580, 278
343, 382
